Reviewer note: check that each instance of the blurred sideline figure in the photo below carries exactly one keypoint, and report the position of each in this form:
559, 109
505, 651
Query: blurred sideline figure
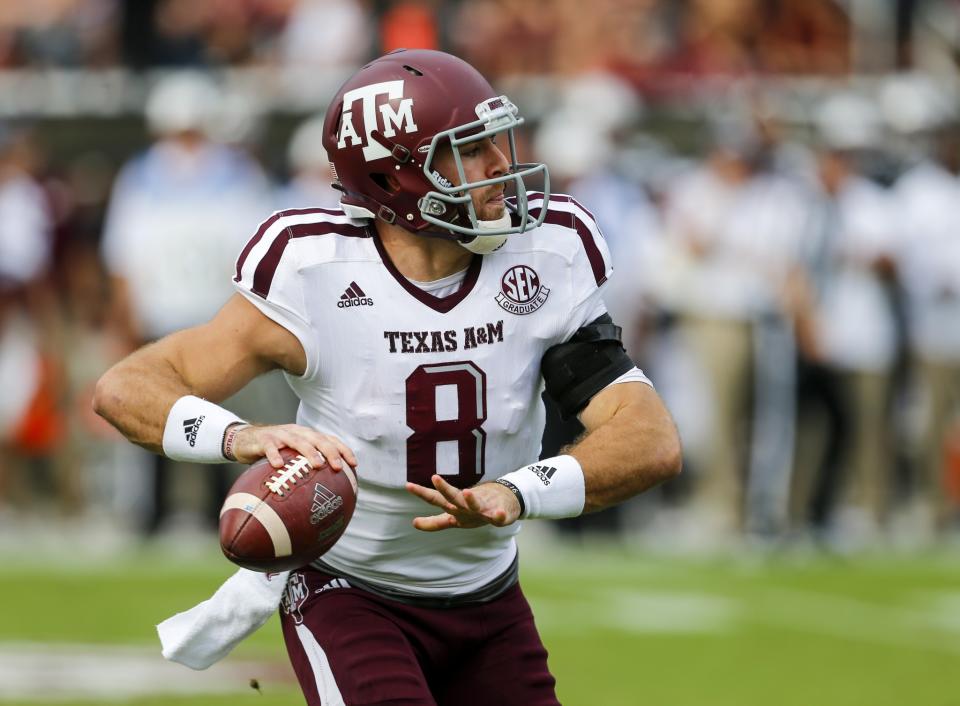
177, 216
326, 34
580, 140
29, 422
927, 198
847, 329
735, 227
311, 178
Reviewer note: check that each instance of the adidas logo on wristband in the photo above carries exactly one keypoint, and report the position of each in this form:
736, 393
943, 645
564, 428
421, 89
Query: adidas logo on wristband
544, 473
191, 427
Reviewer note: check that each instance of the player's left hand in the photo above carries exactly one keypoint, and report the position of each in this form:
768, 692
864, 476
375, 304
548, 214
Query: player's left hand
484, 504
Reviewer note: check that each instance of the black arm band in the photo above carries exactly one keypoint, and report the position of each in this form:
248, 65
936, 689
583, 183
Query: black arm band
577, 370
516, 492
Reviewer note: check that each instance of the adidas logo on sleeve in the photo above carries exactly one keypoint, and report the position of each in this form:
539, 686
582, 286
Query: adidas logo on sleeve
544, 473
191, 427
354, 296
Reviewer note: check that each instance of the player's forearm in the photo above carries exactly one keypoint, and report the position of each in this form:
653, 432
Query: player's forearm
136, 395
628, 454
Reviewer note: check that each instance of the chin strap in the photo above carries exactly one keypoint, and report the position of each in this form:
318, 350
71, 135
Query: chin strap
486, 244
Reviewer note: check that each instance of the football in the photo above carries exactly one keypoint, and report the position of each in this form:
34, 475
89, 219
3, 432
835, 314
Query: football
280, 519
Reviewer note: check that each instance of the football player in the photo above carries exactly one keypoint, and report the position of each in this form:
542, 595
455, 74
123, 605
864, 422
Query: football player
418, 323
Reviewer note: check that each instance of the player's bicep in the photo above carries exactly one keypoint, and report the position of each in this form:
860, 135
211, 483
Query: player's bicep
638, 397
218, 358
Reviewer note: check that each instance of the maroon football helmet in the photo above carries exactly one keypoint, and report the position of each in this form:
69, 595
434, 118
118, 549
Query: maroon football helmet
392, 116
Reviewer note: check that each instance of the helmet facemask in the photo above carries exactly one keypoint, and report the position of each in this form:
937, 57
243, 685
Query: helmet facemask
442, 205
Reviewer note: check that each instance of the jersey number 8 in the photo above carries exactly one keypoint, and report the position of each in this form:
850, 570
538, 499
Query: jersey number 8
465, 429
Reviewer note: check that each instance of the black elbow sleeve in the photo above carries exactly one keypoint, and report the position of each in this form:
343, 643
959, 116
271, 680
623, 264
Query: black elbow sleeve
578, 369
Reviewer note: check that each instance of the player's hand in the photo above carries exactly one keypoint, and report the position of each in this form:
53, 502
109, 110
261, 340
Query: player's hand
253, 443
484, 504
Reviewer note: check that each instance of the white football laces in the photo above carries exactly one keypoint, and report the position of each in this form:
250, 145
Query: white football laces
293, 471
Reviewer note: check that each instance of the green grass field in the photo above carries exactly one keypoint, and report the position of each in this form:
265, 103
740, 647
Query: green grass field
622, 629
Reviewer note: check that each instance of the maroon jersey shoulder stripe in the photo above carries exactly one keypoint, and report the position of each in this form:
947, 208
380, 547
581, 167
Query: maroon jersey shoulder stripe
265, 226
571, 220
564, 198
267, 267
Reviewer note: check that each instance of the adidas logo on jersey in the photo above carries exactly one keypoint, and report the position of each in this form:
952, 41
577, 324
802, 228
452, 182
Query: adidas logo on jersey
354, 296
191, 428
335, 583
544, 473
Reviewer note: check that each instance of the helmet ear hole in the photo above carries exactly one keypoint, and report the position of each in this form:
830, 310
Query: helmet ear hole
387, 182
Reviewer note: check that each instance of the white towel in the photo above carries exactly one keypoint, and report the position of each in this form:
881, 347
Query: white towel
207, 633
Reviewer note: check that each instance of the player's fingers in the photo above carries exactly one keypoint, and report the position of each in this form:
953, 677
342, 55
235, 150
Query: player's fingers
272, 451
494, 515
330, 450
473, 502
308, 450
451, 493
346, 452
427, 494
432, 497
498, 518
435, 523
343, 451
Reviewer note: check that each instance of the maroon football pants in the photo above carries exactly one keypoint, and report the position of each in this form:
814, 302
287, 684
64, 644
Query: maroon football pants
351, 647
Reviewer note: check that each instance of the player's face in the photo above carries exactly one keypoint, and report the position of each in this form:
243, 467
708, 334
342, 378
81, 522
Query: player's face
481, 160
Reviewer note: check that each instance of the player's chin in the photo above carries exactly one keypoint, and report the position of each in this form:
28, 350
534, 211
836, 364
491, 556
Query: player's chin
491, 211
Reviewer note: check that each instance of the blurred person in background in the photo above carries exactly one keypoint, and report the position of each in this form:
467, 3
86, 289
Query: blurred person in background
311, 177
29, 419
530, 28
411, 24
177, 215
90, 461
733, 230
45, 33
847, 330
580, 140
927, 196
327, 34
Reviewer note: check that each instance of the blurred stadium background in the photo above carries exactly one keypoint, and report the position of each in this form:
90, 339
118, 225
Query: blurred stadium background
778, 182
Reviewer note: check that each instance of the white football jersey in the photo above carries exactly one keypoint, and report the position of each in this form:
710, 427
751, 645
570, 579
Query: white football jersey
417, 384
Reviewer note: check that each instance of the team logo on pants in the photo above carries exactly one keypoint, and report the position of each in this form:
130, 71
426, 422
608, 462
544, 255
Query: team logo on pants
521, 291
294, 596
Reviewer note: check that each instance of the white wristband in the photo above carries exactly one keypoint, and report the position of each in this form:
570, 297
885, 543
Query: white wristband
550, 489
195, 429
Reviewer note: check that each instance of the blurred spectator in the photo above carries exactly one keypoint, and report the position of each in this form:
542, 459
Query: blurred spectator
311, 179
930, 262
179, 213
410, 24
85, 460
579, 143
186, 33
718, 37
737, 229
327, 34
848, 331
530, 28
805, 37
58, 33
29, 422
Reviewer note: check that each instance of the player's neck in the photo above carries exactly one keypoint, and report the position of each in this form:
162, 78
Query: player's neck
422, 258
